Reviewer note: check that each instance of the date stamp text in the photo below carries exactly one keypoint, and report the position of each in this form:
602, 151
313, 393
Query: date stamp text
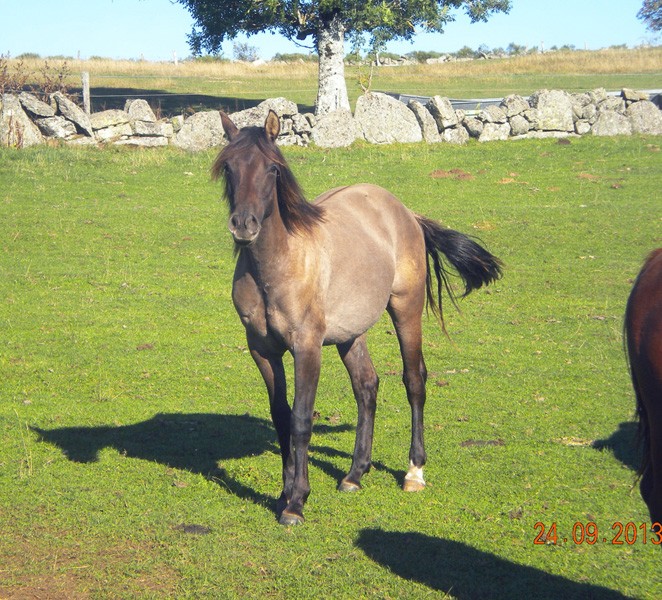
619, 534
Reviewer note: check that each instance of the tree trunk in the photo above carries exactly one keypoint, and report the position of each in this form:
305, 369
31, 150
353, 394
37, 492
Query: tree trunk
332, 88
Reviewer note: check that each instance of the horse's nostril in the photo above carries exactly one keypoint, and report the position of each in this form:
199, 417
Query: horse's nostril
244, 228
252, 225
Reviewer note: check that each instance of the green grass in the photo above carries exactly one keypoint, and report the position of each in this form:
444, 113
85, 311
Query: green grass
130, 410
173, 94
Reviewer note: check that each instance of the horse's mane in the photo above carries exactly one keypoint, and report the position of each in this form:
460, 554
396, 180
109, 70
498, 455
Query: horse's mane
299, 215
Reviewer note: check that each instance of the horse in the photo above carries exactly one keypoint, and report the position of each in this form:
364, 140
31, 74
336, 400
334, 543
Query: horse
643, 343
310, 274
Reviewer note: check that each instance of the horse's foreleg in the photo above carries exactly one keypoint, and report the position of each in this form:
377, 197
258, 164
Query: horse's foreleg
306, 377
365, 383
414, 377
271, 368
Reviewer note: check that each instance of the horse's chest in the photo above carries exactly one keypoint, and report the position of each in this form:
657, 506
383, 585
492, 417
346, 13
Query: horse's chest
262, 310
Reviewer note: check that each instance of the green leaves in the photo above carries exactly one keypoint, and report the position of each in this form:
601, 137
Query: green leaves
295, 19
651, 14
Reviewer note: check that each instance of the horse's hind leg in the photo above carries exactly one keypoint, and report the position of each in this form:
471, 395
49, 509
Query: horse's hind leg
407, 322
365, 383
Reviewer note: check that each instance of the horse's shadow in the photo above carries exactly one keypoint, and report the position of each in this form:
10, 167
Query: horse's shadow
467, 573
197, 443
624, 444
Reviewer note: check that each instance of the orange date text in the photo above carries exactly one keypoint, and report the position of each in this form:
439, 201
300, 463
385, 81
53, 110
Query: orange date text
619, 534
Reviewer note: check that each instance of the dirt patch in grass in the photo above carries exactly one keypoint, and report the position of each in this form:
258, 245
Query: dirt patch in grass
588, 177
34, 568
452, 174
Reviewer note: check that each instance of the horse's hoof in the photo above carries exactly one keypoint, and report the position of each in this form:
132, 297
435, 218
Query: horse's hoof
413, 485
349, 486
288, 518
414, 481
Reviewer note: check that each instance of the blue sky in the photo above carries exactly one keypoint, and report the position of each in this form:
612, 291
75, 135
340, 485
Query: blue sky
157, 29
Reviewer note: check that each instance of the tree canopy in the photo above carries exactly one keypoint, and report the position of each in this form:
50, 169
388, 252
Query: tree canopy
300, 19
651, 14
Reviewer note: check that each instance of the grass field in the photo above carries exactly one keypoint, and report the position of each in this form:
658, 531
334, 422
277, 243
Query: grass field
235, 86
136, 454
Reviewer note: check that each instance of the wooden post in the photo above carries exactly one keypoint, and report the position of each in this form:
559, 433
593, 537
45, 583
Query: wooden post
85, 76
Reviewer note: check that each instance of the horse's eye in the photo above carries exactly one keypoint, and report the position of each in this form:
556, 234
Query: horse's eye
274, 170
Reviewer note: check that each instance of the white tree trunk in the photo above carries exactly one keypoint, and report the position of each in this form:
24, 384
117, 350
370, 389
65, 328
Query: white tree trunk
332, 88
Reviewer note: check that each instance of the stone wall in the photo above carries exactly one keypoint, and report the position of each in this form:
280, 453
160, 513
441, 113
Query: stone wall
25, 120
378, 118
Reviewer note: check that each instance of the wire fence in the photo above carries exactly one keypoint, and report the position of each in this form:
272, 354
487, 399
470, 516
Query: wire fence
105, 93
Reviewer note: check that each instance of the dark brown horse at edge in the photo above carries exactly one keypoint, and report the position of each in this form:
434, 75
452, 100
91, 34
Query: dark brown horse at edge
643, 338
321, 273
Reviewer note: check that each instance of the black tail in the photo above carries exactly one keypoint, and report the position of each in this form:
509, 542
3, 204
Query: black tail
476, 266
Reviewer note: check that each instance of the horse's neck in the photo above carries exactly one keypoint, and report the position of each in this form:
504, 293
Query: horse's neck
275, 253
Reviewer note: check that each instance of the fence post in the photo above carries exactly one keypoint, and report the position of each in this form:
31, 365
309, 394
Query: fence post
85, 76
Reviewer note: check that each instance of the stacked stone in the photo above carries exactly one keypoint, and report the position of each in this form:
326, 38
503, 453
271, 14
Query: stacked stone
25, 120
378, 119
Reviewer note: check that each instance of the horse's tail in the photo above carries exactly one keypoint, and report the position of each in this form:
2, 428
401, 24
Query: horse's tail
476, 266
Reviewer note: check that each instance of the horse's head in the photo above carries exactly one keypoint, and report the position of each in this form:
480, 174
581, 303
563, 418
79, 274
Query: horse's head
251, 169
258, 183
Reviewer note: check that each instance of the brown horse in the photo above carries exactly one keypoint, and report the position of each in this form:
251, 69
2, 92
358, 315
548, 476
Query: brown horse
643, 335
313, 274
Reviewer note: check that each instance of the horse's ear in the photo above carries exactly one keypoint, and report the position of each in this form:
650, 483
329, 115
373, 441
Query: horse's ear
228, 126
272, 126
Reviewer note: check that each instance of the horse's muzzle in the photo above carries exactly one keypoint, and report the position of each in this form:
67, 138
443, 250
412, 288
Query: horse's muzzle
244, 228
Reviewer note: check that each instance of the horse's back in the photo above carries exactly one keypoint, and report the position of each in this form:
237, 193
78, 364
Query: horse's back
364, 200
373, 225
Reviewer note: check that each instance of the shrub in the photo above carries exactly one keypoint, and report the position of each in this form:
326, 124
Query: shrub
296, 57
421, 55
465, 52
13, 76
209, 58
245, 52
